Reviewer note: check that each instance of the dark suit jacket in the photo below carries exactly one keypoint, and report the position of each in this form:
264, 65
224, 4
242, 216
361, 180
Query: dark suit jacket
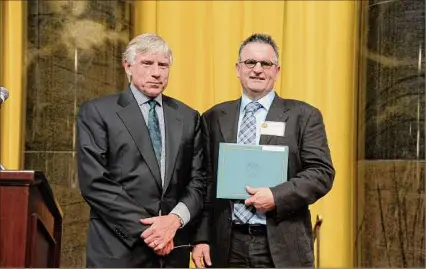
310, 176
120, 178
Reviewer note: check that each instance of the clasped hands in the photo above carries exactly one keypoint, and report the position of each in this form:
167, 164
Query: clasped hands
159, 236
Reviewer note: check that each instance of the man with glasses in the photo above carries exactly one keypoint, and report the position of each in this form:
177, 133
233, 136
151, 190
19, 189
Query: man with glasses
140, 165
272, 228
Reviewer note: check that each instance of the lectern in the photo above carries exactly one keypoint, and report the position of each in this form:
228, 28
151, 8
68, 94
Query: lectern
30, 221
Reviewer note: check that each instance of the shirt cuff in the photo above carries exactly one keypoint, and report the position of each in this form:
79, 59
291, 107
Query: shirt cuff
183, 212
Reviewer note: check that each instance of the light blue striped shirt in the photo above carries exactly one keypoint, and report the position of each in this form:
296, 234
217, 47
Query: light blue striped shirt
266, 102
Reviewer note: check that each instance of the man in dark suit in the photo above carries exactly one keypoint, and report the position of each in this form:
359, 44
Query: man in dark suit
140, 166
273, 227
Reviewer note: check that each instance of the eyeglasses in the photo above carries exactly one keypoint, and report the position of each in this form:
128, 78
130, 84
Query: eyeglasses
184, 246
250, 63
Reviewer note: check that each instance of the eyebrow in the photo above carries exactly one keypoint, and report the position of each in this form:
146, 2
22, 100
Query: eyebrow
152, 61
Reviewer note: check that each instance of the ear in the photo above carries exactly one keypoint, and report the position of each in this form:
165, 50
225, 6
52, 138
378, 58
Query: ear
237, 69
126, 66
278, 71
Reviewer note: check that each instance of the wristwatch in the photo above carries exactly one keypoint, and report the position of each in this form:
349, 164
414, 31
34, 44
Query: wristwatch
180, 219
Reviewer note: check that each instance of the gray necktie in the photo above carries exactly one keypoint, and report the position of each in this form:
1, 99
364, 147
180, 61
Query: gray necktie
247, 135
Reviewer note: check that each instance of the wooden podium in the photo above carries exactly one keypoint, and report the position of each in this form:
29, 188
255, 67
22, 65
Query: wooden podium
30, 221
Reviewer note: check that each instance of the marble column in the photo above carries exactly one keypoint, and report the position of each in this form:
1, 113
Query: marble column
391, 167
74, 54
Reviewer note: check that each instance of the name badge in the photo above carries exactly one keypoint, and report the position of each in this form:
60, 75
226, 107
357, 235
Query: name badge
275, 128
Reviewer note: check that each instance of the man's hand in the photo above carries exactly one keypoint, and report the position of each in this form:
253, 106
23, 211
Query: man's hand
161, 232
166, 250
201, 255
261, 198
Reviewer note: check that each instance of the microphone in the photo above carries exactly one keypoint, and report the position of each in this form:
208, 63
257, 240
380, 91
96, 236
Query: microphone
4, 94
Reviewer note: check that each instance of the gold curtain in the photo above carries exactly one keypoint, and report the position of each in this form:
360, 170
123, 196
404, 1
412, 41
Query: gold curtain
12, 128
318, 43
205, 37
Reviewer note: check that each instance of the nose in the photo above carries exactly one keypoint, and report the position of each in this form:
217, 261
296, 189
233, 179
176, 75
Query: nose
155, 71
258, 68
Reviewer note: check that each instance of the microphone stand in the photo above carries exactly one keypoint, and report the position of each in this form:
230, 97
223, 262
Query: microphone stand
2, 168
4, 94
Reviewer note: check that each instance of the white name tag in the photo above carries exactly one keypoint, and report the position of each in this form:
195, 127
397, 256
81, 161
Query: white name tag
273, 148
272, 128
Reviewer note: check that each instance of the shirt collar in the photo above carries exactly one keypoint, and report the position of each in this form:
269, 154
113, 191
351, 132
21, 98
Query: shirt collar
141, 98
265, 101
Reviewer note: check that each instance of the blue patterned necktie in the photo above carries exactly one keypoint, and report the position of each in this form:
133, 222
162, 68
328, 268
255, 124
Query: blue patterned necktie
154, 129
247, 135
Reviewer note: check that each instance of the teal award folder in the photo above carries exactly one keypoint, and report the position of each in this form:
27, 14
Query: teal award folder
249, 165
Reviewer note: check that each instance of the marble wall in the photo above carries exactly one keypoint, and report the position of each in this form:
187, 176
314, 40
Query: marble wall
394, 103
392, 218
74, 54
391, 166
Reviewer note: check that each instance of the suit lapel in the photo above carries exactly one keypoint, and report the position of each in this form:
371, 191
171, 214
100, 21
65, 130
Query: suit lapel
133, 120
228, 121
277, 112
174, 127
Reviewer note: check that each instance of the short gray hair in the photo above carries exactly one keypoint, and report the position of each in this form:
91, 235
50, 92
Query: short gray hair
260, 38
146, 43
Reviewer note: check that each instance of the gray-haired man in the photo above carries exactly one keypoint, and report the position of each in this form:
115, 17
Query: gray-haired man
140, 166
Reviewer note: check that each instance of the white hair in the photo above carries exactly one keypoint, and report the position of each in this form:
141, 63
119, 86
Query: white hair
146, 43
